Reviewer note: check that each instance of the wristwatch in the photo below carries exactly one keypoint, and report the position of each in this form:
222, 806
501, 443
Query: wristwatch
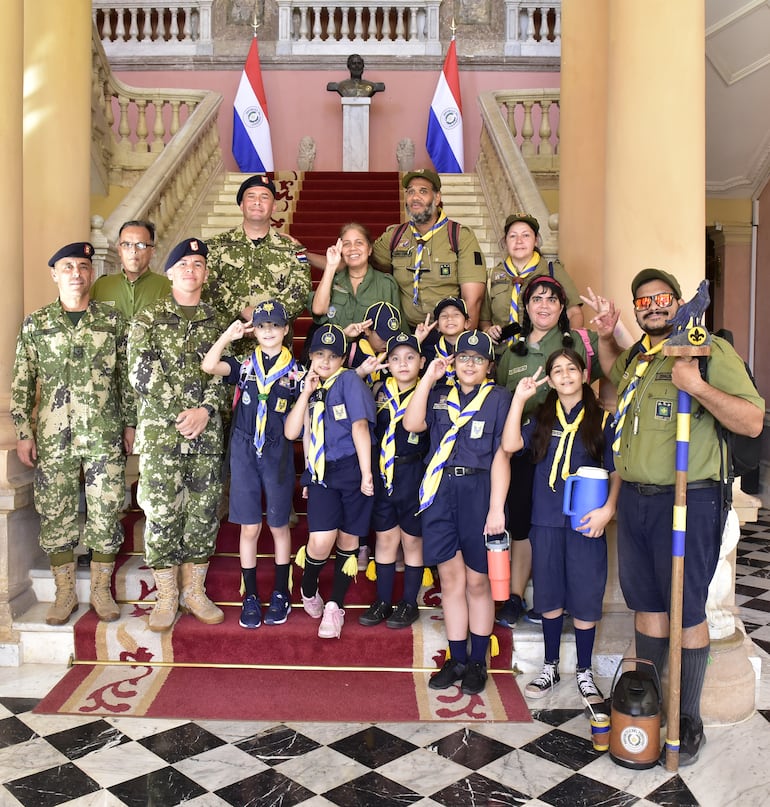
210, 409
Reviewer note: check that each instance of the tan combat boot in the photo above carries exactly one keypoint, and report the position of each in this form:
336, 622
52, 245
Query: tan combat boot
101, 596
66, 602
194, 600
166, 599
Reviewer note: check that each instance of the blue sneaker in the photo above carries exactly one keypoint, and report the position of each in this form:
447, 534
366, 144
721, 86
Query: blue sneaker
278, 611
251, 613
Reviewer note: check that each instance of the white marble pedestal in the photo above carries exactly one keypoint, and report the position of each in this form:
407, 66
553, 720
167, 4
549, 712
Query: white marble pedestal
355, 134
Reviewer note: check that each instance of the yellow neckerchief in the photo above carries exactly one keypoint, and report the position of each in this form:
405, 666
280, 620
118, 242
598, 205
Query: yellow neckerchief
283, 365
396, 402
518, 277
566, 442
422, 240
364, 345
445, 351
317, 459
435, 469
643, 362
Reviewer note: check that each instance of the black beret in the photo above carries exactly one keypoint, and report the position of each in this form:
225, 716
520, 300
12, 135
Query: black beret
261, 180
80, 249
190, 246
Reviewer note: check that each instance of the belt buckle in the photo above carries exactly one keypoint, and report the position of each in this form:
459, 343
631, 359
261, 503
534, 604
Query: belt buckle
459, 471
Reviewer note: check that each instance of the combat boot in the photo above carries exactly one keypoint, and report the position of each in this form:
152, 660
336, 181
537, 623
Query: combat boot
166, 599
193, 599
66, 602
101, 596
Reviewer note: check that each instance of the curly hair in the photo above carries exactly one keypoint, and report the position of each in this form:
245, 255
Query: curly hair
548, 284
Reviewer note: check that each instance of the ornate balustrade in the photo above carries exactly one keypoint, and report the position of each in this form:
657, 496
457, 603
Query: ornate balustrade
510, 152
532, 28
148, 28
162, 144
399, 27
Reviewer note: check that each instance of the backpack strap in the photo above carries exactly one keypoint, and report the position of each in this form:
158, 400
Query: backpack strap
590, 353
398, 233
453, 233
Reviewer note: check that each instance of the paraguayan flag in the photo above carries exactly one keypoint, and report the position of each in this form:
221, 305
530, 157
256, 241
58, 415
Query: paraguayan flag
252, 146
445, 121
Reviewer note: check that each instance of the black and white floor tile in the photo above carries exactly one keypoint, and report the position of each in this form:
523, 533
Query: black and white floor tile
47, 761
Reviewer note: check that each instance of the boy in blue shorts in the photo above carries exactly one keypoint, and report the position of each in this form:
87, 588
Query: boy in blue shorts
336, 412
261, 458
462, 497
401, 466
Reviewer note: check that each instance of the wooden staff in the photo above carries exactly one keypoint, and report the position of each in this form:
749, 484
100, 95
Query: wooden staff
698, 344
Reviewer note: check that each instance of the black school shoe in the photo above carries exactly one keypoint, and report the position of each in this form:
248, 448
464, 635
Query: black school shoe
404, 615
449, 674
475, 678
691, 740
377, 612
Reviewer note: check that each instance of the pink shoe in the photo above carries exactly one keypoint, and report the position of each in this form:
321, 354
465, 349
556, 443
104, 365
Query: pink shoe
314, 606
332, 622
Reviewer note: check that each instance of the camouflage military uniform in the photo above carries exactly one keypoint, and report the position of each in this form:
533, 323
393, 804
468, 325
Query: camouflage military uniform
85, 403
180, 479
242, 274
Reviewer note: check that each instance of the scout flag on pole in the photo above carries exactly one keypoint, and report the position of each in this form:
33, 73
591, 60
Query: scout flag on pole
445, 121
252, 146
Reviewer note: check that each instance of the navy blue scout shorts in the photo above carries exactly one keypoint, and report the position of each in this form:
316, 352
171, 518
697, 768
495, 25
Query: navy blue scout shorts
644, 549
400, 508
272, 474
340, 505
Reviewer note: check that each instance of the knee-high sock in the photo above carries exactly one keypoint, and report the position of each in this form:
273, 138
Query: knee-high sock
249, 581
386, 574
584, 644
653, 648
694, 662
412, 583
552, 636
341, 582
310, 576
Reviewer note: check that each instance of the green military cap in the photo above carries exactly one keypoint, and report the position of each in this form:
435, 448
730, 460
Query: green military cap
527, 218
646, 275
422, 173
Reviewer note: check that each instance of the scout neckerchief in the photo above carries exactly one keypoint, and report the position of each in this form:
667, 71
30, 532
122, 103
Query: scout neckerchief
643, 362
518, 277
435, 469
422, 240
284, 364
317, 458
366, 348
564, 446
445, 351
396, 402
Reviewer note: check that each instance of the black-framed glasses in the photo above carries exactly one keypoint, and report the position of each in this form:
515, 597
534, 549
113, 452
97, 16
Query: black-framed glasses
140, 245
662, 299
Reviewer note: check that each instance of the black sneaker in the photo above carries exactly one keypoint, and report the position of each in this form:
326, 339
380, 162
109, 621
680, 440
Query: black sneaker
449, 674
691, 740
404, 615
377, 612
534, 616
475, 678
510, 611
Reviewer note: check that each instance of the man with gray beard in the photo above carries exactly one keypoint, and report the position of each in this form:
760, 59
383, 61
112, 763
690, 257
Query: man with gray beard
431, 257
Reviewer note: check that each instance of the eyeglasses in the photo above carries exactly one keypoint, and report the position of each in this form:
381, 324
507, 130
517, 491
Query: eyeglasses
464, 358
663, 299
140, 245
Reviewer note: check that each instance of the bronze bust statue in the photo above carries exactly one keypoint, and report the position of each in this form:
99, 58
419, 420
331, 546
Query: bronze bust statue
355, 86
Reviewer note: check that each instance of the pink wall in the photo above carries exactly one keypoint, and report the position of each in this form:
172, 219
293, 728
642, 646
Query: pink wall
299, 105
761, 343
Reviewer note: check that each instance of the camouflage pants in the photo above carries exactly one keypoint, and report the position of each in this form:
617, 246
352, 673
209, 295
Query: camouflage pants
179, 495
57, 500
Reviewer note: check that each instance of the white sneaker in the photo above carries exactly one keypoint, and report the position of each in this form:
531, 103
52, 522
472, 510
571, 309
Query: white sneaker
331, 622
587, 688
545, 682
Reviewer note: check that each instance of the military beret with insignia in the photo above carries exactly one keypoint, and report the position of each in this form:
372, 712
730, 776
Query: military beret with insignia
402, 340
258, 180
386, 320
329, 337
269, 311
78, 249
422, 173
475, 342
190, 246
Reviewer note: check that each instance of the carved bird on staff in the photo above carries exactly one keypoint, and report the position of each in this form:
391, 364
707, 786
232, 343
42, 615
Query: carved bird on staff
689, 335
691, 313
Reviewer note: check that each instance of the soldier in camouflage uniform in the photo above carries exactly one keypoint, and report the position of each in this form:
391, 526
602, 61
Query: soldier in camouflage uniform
253, 262
74, 350
179, 437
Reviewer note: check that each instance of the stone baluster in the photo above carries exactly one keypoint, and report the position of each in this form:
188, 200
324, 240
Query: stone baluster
557, 150
545, 149
141, 125
120, 30
400, 27
187, 27
511, 107
158, 129
413, 30
345, 24
317, 30
557, 26
174, 24
174, 128
106, 32
304, 24
109, 114
530, 12
527, 131
358, 26
133, 24
123, 127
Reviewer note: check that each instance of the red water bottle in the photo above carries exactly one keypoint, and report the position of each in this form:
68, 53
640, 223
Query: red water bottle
499, 564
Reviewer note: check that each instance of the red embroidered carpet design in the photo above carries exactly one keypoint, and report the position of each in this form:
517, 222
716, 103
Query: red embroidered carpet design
276, 673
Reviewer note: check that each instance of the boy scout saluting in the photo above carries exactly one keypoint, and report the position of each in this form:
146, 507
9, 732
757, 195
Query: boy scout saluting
75, 350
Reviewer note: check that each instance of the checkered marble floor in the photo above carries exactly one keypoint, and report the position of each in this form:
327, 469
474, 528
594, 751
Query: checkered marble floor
65, 760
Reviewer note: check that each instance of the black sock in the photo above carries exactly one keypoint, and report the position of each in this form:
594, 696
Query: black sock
694, 662
459, 650
584, 644
282, 577
552, 636
653, 648
342, 581
310, 576
479, 646
249, 581
412, 583
386, 574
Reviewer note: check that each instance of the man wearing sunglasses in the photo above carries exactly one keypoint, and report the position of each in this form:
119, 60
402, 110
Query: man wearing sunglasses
136, 285
648, 384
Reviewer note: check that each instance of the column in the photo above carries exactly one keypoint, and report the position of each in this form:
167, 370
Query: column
57, 136
355, 133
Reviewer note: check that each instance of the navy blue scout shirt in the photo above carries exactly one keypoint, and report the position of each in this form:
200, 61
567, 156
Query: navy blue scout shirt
478, 441
406, 442
348, 400
547, 504
280, 400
